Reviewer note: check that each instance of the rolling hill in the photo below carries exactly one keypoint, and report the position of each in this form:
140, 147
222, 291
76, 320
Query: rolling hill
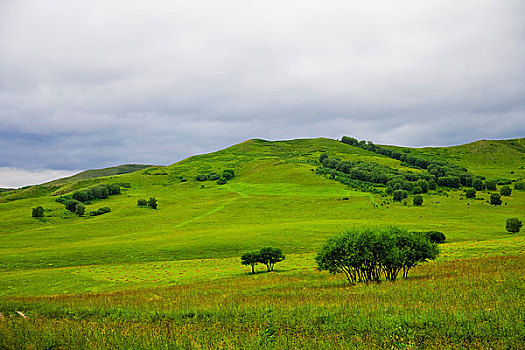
276, 198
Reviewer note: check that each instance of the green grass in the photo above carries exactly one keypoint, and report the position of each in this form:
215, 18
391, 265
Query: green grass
192, 244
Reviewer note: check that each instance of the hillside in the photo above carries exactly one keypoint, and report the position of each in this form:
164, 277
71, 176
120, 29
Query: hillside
275, 198
94, 173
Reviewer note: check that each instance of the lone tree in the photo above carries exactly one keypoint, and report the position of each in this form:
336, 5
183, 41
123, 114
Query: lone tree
470, 193
495, 199
38, 212
513, 225
142, 203
418, 200
152, 203
505, 191
250, 258
269, 256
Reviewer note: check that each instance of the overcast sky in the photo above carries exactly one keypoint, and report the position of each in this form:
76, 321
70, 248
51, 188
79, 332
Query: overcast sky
91, 84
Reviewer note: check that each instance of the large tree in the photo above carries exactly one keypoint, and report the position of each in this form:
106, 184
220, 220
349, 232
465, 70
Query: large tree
269, 256
251, 259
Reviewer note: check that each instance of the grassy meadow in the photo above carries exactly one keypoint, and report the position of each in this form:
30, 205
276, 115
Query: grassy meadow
172, 278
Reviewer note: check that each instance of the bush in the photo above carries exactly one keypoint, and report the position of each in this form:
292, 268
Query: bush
80, 209
71, 205
38, 212
417, 190
222, 181
100, 211
399, 195
513, 225
417, 200
478, 184
519, 185
470, 193
142, 203
201, 177
491, 185
152, 203
228, 174
435, 237
363, 255
495, 199
213, 176
505, 191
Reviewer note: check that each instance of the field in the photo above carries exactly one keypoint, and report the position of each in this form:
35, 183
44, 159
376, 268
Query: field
172, 278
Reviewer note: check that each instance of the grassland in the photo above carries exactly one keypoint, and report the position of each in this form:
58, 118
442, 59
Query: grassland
171, 277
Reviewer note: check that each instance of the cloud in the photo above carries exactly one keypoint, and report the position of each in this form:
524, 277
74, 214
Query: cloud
95, 84
15, 178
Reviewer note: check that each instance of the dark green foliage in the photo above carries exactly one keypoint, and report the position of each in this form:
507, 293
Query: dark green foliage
423, 184
100, 211
349, 141
417, 190
513, 225
495, 199
201, 177
505, 191
364, 255
399, 195
228, 174
213, 176
432, 185
71, 205
519, 185
221, 181
491, 185
470, 193
152, 203
142, 203
80, 209
251, 259
125, 185
449, 181
478, 184
269, 256
322, 157
98, 192
417, 200
38, 212
183, 179
435, 236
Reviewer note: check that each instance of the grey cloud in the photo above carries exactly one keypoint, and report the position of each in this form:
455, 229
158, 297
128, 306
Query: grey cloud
105, 83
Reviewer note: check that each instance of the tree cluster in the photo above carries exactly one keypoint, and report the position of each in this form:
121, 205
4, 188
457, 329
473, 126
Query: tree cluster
152, 203
364, 255
222, 179
75, 202
268, 256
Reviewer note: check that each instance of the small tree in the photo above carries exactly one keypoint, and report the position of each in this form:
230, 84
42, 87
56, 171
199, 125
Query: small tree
250, 258
417, 200
519, 185
71, 205
399, 195
38, 212
470, 193
505, 191
80, 209
152, 203
513, 225
491, 185
478, 184
269, 256
142, 203
495, 199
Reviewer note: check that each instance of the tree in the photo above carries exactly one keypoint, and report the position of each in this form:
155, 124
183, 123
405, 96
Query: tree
269, 256
250, 258
142, 203
513, 225
491, 185
152, 203
470, 193
495, 199
399, 195
71, 205
221, 181
435, 236
519, 185
505, 191
38, 212
418, 200
478, 184
417, 190
228, 174
80, 209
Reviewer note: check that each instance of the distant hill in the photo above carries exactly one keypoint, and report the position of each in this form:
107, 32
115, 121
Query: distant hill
94, 173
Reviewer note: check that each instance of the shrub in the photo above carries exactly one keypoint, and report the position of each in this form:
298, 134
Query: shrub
221, 181
228, 174
80, 209
417, 190
399, 195
71, 205
38, 212
478, 184
152, 203
100, 211
470, 193
505, 191
213, 176
491, 185
142, 203
519, 185
417, 200
201, 177
513, 225
495, 199
435, 237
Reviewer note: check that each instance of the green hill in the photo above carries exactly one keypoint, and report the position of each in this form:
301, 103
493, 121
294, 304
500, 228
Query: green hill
155, 278
94, 173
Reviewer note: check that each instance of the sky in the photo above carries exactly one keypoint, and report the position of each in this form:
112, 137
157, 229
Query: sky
92, 84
